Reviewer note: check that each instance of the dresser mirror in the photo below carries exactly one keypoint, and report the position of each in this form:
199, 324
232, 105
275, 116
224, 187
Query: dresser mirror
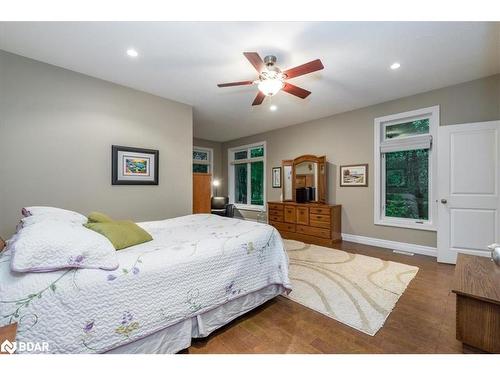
304, 179
287, 167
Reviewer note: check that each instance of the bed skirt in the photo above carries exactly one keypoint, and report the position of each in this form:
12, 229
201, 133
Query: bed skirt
178, 336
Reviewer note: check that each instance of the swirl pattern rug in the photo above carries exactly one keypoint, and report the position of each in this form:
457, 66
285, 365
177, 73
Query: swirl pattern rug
354, 289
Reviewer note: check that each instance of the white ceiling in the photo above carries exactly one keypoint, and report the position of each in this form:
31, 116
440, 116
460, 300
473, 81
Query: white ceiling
184, 61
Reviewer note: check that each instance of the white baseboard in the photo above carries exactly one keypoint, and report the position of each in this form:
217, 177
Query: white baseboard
393, 245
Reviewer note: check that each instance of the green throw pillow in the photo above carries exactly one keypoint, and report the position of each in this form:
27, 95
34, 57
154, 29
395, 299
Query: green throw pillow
121, 234
98, 217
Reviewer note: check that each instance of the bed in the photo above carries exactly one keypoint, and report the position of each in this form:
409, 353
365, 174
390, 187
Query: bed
199, 273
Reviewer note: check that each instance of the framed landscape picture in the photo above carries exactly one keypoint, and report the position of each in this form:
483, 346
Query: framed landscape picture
134, 166
354, 175
277, 177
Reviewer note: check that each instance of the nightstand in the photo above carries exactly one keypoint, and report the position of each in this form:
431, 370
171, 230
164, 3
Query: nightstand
477, 286
8, 333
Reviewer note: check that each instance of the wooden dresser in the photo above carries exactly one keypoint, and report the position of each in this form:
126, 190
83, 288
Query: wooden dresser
477, 286
309, 222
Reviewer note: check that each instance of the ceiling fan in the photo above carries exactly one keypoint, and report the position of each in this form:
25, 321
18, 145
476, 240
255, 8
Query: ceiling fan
271, 79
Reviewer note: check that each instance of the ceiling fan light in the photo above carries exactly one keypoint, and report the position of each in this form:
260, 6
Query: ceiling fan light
270, 87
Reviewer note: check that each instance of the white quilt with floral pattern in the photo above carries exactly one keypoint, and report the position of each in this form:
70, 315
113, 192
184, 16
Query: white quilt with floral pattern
194, 263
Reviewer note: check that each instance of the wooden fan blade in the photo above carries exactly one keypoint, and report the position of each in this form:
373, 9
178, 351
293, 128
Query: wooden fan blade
295, 90
259, 98
241, 83
306, 68
255, 60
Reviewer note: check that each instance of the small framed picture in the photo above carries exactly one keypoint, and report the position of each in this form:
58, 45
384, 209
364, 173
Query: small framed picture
277, 177
354, 175
134, 166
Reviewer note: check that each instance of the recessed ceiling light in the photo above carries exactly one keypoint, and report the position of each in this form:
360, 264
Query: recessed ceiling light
273, 108
395, 66
132, 52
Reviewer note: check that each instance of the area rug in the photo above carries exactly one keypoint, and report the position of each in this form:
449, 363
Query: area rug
354, 289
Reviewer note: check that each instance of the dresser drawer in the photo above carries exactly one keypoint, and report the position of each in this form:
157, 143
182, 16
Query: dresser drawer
323, 218
275, 206
303, 215
290, 214
319, 224
313, 231
275, 212
285, 227
320, 210
275, 217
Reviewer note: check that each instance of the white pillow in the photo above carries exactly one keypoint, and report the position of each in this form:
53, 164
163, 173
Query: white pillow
30, 220
48, 212
52, 245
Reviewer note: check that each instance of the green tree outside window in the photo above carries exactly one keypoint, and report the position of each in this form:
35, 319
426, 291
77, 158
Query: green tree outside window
407, 184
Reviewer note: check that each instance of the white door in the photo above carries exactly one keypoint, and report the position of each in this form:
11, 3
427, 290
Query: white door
468, 178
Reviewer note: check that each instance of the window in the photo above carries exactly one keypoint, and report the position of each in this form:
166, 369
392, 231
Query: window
247, 176
406, 169
202, 160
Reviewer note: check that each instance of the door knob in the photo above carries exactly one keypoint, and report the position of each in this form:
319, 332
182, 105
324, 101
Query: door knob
444, 201
495, 252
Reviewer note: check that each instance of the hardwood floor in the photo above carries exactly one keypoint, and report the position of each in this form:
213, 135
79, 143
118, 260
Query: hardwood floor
423, 320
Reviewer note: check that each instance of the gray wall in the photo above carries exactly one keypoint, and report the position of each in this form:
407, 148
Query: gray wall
347, 138
217, 155
56, 132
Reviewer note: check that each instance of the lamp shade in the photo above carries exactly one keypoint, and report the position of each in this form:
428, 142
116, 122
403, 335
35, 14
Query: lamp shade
270, 86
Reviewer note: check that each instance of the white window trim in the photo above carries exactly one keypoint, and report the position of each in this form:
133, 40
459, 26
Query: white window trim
210, 161
379, 218
230, 173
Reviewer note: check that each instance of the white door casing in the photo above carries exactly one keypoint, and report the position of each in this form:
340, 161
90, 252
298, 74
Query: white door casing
469, 194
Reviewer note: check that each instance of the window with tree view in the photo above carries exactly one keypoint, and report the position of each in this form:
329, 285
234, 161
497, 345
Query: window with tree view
240, 183
247, 167
407, 184
403, 169
257, 183
202, 160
